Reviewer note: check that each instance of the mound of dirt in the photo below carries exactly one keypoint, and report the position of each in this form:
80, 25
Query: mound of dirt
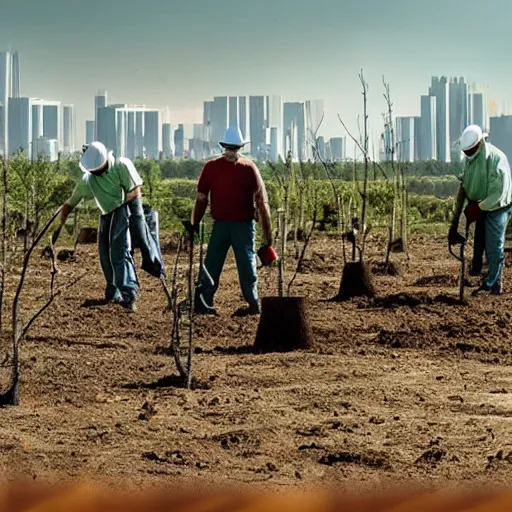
437, 280
380, 268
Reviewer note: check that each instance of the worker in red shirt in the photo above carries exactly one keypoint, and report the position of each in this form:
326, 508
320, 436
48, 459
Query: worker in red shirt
238, 198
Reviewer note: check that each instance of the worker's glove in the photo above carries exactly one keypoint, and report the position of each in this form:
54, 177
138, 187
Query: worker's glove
191, 229
472, 212
454, 237
56, 234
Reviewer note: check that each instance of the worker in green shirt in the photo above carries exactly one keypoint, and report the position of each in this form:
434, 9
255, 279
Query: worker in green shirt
112, 184
487, 186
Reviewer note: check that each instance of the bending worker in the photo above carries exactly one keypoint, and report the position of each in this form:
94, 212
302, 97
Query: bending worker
486, 184
115, 185
238, 198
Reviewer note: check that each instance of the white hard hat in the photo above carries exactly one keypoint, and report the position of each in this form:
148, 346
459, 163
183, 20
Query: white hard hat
471, 136
95, 157
233, 137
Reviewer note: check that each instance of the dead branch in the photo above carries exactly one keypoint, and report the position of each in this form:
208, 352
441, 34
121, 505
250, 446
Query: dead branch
11, 397
304, 249
49, 302
175, 331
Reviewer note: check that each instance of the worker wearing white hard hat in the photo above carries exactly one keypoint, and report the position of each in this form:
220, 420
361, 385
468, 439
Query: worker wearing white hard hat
233, 185
111, 183
487, 186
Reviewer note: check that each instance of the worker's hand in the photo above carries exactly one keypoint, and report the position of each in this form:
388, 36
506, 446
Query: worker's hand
56, 234
192, 229
454, 237
472, 212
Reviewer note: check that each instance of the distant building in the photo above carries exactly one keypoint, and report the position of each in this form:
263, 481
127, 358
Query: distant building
167, 140
478, 110
428, 129
219, 120
5, 94
20, 126
440, 89
89, 132
100, 101
500, 134
406, 139
257, 125
242, 116
337, 147
459, 116
320, 147
233, 111
314, 110
275, 120
68, 136
152, 133
294, 130
46, 148
179, 142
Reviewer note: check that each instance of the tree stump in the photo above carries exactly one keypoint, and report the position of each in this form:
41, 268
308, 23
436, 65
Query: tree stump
88, 236
356, 281
284, 325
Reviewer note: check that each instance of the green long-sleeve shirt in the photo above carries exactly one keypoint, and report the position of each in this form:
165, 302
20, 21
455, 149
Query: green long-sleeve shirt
110, 189
487, 178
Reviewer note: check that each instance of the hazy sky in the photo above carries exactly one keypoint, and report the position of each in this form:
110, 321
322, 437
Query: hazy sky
179, 53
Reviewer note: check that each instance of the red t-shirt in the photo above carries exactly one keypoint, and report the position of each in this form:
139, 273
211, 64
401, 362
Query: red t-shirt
232, 187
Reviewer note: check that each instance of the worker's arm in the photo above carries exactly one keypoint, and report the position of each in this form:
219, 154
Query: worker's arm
263, 208
459, 204
136, 192
499, 187
201, 203
199, 208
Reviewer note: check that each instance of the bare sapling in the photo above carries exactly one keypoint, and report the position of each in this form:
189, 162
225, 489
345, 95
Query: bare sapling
356, 278
393, 244
11, 396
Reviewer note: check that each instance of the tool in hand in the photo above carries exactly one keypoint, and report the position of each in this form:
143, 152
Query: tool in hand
462, 241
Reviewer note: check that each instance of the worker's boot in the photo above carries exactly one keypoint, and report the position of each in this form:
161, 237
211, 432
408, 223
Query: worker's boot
250, 310
200, 306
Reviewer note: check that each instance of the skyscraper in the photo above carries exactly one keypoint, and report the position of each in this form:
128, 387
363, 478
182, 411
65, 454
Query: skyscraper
52, 121
152, 133
167, 140
207, 120
5, 94
20, 126
314, 116
242, 115
37, 118
68, 115
320, 144
179, 142
440, 90
275, 120
478, 109
219, 120
294, 130
428, 128
257, 125
15, 75
337, 148
100, 101
501, 134
458, 113
233, 111
89, 132
405, 139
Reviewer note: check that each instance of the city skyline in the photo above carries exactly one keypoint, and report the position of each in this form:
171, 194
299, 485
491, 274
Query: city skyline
149, 54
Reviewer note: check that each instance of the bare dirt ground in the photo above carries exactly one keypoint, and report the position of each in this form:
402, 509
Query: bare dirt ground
411, 387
